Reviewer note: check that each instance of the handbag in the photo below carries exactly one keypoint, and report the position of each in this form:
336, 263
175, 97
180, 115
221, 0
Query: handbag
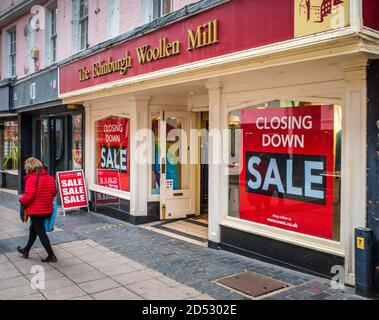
50, 221
23, 210
23, 213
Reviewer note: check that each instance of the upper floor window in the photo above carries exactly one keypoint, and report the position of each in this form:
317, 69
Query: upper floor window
12, 53
83, 24
155, 9
53, 35
160, 8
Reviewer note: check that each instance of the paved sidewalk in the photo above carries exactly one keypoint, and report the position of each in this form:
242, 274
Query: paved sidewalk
103, 258
86, 271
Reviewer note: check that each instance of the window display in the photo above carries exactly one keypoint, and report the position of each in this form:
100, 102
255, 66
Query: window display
285, 166
10, 147
77, 147
112, 142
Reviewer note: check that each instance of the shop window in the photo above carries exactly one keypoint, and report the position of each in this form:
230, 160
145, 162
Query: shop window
77, 142
113, 153
10, 147
285, 166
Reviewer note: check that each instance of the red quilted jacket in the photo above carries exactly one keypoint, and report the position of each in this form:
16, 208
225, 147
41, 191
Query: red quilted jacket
39, 199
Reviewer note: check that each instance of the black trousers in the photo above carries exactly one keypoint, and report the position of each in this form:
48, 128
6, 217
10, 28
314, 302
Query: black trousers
37, 228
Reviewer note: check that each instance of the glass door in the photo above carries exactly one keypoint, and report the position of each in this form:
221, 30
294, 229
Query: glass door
62, 143
59, 144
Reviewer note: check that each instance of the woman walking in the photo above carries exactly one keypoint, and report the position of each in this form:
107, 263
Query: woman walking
39, 193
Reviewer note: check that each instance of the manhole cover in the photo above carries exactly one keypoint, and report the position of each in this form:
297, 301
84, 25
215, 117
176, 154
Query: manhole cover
252, 284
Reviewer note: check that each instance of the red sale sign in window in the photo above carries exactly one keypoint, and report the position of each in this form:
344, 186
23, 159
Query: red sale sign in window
72, 189
112, 139
288, 157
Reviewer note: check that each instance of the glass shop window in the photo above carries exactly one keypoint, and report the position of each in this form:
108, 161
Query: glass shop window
113, 153
285, 166
10, 147
77, 142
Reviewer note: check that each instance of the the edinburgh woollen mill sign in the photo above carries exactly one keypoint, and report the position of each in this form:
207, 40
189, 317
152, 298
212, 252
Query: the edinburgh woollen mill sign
229, 28
205, 35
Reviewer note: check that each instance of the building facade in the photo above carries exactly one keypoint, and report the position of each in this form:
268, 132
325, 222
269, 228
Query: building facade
253, 113
35, 37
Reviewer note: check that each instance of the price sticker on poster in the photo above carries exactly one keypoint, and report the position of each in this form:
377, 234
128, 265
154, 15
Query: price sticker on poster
72, 189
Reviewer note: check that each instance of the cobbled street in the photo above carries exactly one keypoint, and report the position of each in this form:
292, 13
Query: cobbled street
103, 258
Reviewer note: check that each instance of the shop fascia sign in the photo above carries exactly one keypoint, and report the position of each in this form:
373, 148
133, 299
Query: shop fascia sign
205, 35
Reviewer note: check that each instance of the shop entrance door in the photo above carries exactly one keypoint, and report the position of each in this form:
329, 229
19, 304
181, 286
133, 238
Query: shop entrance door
61, 142
176, 178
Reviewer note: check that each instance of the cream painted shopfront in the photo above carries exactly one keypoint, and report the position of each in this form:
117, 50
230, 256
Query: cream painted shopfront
282, 95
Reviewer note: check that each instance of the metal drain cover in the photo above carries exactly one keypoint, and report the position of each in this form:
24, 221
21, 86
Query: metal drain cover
252, 284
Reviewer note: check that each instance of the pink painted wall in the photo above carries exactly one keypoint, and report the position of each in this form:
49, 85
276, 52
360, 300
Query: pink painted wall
130, 18
130, 15
64, 30
23, 52
97, 21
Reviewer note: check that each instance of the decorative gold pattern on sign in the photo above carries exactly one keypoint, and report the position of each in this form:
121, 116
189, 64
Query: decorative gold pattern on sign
313, 16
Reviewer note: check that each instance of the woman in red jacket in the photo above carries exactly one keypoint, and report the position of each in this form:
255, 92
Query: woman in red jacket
39, 193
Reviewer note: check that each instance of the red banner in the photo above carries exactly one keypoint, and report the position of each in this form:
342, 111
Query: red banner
72, 188
287, 179
113, 152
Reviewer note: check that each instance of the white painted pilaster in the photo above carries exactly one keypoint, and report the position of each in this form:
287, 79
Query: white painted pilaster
214, 202
138, 164
354, 159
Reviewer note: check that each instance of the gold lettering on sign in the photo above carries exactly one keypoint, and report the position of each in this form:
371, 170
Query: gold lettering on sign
102, 67
84, 74
165, 49
205, 35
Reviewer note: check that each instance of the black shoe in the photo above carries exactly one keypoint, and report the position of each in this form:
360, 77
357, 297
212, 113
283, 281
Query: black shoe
24, 253
50, 259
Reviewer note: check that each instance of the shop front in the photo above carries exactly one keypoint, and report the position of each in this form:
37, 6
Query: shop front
247, 111
9, 147
49, 130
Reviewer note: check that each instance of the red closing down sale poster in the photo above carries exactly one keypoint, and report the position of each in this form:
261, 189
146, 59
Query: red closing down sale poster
72, 188
113, 152
288, 166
